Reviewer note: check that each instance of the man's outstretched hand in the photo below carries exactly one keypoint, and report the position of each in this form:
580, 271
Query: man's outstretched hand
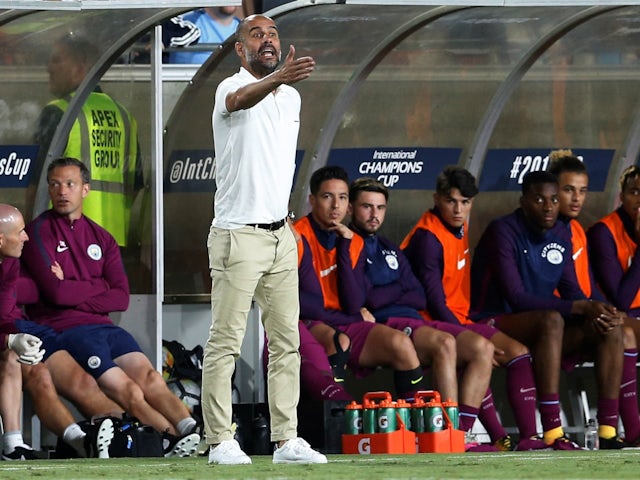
295, 69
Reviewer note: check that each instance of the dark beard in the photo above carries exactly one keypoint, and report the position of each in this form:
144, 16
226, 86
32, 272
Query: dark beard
261, 69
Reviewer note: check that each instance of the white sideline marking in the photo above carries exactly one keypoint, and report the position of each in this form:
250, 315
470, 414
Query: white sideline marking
32, 466
508, 457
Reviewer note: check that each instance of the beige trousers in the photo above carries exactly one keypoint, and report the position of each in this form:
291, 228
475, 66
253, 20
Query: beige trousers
245, 263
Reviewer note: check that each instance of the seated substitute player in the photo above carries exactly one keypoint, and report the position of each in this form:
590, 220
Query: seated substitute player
332, 285
438, 249
20, 361
78, 270
614, 255
520, 261
573, 183
326, 345
395, 298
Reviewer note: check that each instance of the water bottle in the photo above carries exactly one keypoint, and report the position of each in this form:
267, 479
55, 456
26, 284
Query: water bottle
386, 417
451, 408
353, 418
591, 435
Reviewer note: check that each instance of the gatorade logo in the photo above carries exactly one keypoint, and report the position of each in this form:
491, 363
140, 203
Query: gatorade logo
364, 446
357, 424
437, 421
383, 422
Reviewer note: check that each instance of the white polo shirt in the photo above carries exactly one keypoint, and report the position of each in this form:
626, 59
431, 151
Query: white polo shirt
255, 155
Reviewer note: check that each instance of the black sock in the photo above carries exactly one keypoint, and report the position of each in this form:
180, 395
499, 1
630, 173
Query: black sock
407, 382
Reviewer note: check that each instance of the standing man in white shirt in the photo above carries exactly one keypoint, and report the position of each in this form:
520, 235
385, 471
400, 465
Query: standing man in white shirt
252, 249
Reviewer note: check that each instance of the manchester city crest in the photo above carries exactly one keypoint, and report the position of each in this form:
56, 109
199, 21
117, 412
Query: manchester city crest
94, 251
392, 261
94, 362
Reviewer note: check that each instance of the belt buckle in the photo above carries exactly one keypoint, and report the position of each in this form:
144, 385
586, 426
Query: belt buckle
269, 227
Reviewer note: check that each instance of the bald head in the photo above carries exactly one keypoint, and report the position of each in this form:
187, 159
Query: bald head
245, 25
9, 215
12, 234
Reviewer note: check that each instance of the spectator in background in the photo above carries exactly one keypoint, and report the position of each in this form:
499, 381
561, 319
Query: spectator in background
176, 32
251, 7
104, 137
215, 24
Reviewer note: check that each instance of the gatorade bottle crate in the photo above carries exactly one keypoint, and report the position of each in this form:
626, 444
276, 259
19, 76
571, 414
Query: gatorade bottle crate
379, 425
383, 426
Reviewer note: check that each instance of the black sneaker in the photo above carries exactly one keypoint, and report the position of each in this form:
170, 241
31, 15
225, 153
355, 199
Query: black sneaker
20, 453
180, 446
615, 443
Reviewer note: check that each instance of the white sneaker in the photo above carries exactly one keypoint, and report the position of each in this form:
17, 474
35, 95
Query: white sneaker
228, 452
297, 450
104, 437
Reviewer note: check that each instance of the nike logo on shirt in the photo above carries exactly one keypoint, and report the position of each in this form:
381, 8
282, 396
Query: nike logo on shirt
577, 254
62, 246
327, 271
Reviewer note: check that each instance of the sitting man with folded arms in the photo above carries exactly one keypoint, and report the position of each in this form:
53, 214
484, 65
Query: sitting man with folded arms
77, 267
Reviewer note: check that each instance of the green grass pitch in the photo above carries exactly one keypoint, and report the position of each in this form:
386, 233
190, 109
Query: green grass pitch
491, 466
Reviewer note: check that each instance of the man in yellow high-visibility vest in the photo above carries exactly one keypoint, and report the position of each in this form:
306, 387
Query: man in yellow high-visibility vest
103, 136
